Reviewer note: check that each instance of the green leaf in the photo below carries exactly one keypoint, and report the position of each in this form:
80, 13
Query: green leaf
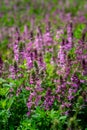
4, 91
6, 85
2, 80
10, 102
72, 53
48, 57
62, 117
50, 69
3, 104
78, 31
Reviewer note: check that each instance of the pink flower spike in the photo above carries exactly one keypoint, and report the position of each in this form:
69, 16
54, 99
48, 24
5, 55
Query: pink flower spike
28, 88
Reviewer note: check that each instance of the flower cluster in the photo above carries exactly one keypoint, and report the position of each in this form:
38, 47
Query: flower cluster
34, 55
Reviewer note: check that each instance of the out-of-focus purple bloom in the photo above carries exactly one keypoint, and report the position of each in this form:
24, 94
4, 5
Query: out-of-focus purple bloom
38, 43
69, 36
28, 88
59, 33
16, 51
48, 41
75, 79
25, 33
12, 72
18, 91
28, 113
41, 62
31, 80
49, 99
67, 113
84, 66
29, 105
70, 97
29, 60
62, 57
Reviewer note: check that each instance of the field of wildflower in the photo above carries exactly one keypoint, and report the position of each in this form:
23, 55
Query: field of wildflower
43, 64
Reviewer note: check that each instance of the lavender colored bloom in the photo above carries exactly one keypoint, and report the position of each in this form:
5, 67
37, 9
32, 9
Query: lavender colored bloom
70, 97
12, 72
37, 100
79, 52
69, 35
67, 113
84, 66
62, 57
31, 80
18, 91
25, 33
74, 85
59, 33
67, 104
41, 62
28, 113
29, 104
28, 88
16, 51
29, 60
38, 43
63, 86
48, 39
58, 90
75, 79
67, 71
75, 90
17, 35
49, 99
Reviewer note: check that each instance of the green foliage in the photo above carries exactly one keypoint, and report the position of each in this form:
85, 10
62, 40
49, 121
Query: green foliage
43, 120
78, 30
10, 117
72, 54
4, 87
48, 57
